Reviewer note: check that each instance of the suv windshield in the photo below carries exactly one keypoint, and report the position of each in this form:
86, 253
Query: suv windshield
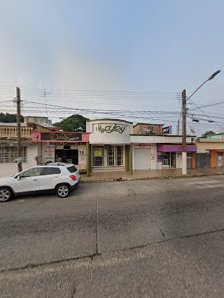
72, 169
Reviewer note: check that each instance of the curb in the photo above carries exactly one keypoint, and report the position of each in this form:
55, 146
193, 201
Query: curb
121, 179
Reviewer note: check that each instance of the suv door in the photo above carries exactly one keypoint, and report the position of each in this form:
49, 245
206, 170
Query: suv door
49, 176
28, 181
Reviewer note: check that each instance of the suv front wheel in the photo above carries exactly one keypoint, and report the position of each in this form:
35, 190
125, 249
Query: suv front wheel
62, 190
5, 194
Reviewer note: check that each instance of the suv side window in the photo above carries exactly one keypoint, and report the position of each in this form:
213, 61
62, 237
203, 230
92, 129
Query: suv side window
72, 169
50, 171
31, 172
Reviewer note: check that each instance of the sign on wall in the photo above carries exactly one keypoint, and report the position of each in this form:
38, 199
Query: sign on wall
109, 128
56, 137
98, 152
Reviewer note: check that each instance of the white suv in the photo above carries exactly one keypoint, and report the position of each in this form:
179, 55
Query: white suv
58, 178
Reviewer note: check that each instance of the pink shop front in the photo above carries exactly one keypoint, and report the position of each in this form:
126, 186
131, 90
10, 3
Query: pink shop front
68, 147
170, 155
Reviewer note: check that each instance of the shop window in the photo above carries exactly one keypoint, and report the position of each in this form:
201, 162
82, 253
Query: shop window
168, 159
110, 156
119, 155
113, 156
8, 154
98, 156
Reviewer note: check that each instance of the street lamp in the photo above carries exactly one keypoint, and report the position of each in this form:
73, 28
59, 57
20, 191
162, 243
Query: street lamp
184, 112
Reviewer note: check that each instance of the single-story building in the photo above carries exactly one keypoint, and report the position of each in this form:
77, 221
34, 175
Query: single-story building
70, 147
210, 152
8, 148
160, 152
109, 145
114, 147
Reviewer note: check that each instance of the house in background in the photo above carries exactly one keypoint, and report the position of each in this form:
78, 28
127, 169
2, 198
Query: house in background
210, 151
147, 129
41, 143
8, 147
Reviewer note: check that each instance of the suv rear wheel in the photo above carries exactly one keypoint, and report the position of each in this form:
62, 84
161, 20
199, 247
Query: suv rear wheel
5, 194
62, 190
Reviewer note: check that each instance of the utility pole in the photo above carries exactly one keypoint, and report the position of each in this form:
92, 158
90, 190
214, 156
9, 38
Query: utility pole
18, 118
178, 127
184, 112
184, 136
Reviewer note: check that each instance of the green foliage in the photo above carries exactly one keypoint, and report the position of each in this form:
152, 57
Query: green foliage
207, 133
73, 123
9, 118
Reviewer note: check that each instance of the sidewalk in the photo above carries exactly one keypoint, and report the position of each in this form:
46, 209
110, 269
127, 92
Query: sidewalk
149, 174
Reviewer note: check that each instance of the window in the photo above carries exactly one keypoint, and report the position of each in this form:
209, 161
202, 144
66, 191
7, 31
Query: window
31, 172
72, 169
110, 156
8, 154
119, 155
168, 159
98, 156
50, 171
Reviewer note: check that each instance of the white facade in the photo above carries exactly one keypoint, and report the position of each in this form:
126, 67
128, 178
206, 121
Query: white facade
149, 158
159, 139
9, 169
108, 131
108, 138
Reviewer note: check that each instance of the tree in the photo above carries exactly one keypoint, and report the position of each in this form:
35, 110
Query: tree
73, 123
9, 118
208, 133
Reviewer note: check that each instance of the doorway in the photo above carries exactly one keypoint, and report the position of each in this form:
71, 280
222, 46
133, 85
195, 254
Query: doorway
67, 155
169, 159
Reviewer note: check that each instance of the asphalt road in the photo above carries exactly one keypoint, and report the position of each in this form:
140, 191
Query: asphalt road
155, 238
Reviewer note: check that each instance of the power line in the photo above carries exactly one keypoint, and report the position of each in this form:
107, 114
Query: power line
209, 105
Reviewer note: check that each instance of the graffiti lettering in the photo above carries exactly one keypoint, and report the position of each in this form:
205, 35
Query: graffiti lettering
70, 137
110, 128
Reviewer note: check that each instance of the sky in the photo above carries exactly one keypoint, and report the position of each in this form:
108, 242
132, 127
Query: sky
143, 53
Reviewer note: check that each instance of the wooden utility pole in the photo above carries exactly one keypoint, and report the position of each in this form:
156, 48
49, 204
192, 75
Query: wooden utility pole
178, 127
184, 136
18, 118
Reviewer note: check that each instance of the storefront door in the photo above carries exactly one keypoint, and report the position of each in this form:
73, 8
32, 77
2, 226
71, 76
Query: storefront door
141, 159
168, 159
67, 155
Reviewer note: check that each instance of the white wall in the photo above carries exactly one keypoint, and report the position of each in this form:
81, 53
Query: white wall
178, 161
47, 152
103, 136
8, 169
154, 159
158, 139
142, 158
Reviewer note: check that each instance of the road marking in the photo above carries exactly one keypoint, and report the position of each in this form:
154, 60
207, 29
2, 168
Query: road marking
209, 186
202, 182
